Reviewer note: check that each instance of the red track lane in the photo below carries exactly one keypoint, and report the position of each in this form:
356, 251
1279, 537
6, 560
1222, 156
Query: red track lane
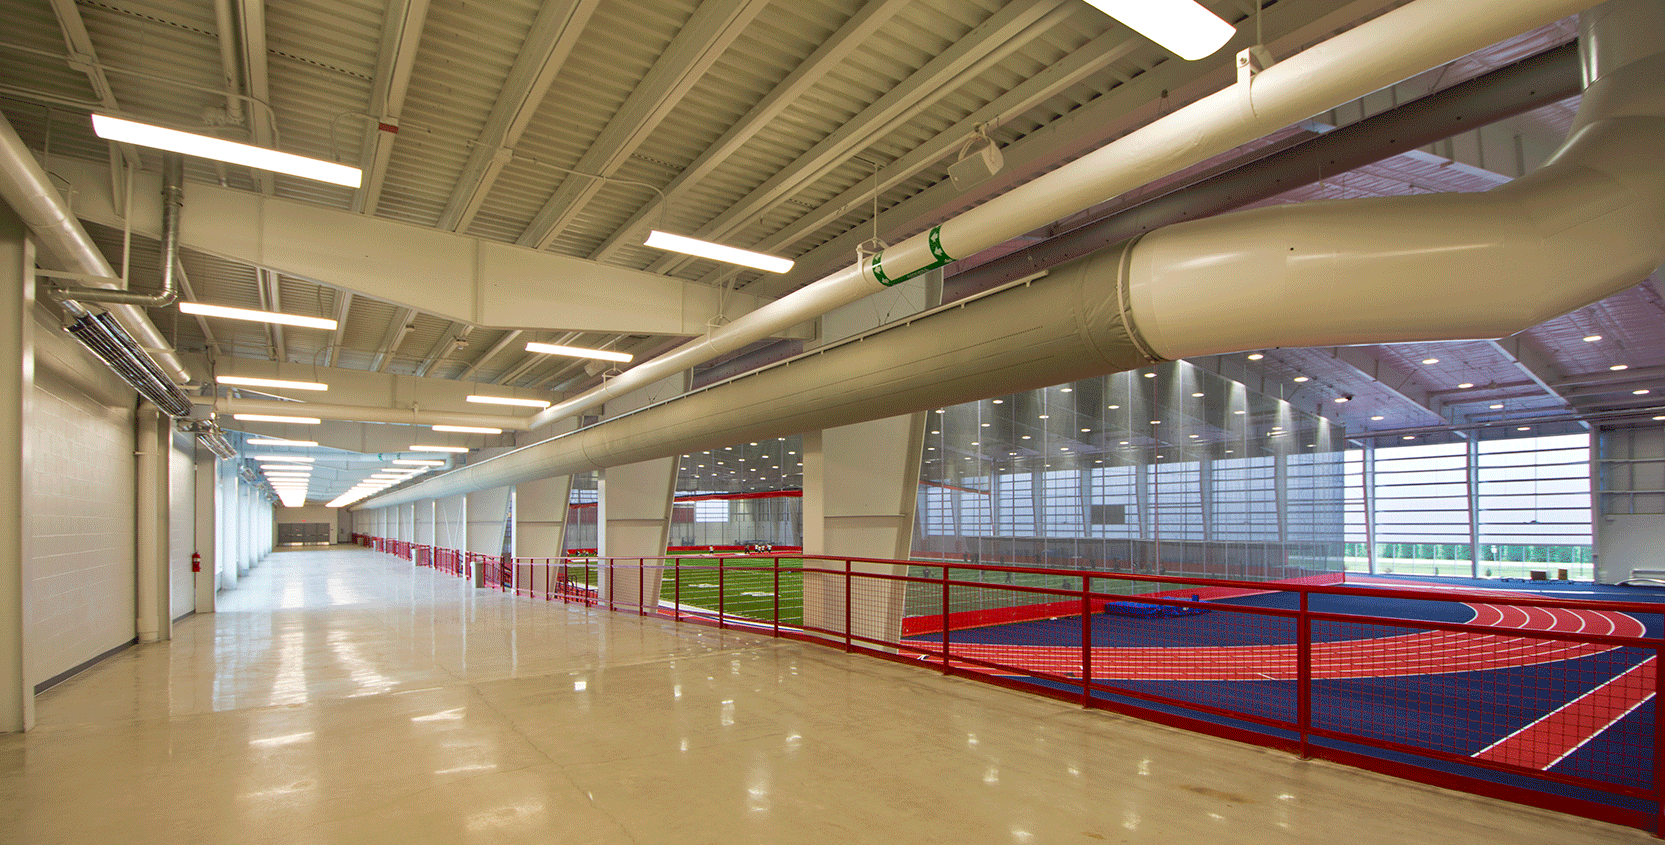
1421, 653
1562, 731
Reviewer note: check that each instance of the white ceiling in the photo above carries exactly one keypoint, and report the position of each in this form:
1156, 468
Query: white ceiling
766, 124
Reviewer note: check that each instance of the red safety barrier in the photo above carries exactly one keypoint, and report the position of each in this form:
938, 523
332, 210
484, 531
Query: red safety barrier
1503, 693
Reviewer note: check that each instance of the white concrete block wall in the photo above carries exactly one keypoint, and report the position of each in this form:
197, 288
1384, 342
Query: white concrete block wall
182, 524
80, 600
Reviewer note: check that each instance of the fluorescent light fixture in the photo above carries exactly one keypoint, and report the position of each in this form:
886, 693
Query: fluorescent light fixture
468, 429
579, 352
256, 316
271, 382
285, 468
276, 441
457, 449
1182, 26
412, 462
718, 252
231, 152
509, 400
276, 419
290, 458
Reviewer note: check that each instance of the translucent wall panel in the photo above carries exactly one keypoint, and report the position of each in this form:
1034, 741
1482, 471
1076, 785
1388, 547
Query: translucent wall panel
1169, 470
740, 497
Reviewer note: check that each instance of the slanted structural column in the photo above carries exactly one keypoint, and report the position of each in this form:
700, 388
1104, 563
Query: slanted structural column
634, 520
861, 488
486, 511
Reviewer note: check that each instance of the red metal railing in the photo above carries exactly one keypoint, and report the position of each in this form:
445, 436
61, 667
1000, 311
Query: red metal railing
1546, 702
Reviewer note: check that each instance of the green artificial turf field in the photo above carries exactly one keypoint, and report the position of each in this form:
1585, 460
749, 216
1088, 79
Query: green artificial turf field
748, 587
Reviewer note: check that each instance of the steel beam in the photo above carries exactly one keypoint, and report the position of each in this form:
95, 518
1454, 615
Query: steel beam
702, 40
401, 35
555, 31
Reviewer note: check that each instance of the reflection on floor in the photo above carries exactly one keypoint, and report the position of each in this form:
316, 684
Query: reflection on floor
342, 696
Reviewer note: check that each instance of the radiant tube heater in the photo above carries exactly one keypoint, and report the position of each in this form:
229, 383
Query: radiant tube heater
108, 340
212, 438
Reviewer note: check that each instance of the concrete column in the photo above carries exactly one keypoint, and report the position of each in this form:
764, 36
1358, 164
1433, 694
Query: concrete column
407, 522
422, 522
487, 511
451, 522
226, 524
247, 537
151, 526
17, 387
861, 489
541, 517
634, 521
861, 485
635, 501
207, 529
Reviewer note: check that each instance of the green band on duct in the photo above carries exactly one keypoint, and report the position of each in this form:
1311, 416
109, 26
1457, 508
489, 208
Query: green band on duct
879, 271
937, 252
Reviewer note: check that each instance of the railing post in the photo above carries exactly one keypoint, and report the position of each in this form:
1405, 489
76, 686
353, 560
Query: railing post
641, 586
849, 584
1303, 680
777, 596
1086, 641
721, 598
945, 619
676, 589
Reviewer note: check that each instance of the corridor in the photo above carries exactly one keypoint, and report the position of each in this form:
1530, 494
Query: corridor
343, 696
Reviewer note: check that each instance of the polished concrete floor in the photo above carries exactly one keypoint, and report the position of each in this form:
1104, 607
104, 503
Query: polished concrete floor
342, 697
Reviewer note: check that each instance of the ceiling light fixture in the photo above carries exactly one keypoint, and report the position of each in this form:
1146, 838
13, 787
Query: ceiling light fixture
145, 135
1592, 338
271, 382
1465, 385
468, 429
276, 419
579, 352
1343, 399
1430, 360
717, 252
1301, 379
1617, 367
508, 400
278, 441
1256, 356
457, 449
285, 458
411, 462
1183, 27
256, 316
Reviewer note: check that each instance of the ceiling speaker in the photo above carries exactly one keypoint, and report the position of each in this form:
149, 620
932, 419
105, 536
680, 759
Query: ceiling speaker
974, 167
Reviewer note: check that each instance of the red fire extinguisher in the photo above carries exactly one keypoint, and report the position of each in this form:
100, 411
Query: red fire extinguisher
196, 561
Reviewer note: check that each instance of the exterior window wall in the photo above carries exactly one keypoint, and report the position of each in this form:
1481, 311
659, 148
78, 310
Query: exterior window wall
1488, 507
1170, 470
